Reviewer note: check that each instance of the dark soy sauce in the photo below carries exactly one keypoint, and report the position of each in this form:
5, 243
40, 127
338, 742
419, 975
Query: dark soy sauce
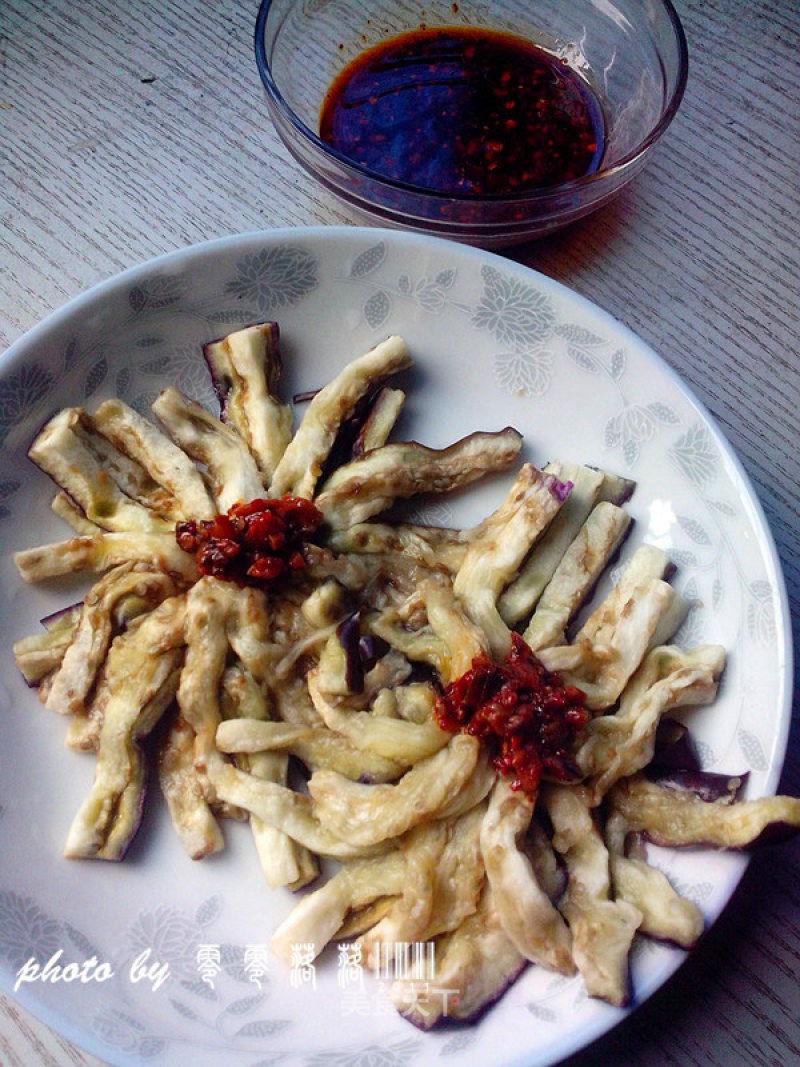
464, 111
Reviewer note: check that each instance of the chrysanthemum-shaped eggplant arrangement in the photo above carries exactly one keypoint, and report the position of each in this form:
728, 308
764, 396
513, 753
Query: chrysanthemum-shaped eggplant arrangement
485, 768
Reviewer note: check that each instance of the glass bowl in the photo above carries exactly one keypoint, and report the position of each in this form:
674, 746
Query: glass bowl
632, 54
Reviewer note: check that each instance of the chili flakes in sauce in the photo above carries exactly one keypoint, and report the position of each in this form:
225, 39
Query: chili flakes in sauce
463, 110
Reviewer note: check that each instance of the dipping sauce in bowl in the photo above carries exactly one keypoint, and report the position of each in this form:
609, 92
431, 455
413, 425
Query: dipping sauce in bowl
464, 110
490, 123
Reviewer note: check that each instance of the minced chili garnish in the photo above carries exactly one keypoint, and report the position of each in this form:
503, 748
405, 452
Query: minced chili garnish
524, 715
254, 543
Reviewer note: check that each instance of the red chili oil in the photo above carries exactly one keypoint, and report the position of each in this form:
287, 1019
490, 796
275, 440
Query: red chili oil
524, 715
254, 543
464, 111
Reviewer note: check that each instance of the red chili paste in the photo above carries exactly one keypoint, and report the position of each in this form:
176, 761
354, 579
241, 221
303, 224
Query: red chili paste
523, 713
254, 543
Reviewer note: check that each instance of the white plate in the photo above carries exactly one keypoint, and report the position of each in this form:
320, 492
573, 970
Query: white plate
494, 344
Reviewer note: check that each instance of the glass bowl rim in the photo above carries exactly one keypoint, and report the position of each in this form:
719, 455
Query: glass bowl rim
541, 196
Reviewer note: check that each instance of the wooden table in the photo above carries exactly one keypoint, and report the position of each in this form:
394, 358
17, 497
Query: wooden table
133, 129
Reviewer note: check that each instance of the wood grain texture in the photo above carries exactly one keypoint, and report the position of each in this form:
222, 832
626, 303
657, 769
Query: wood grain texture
132, 129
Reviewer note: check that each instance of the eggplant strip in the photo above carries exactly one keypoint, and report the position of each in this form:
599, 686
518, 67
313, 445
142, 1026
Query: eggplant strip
576, 575
676, 819
503, 541
370, 484
320, 915
461, 638
132, 478
405, 743
289, 811
648, 563
602, 666
283, 861
208, 603
190, 812
302, 462
474, 966
620, 744
369, 814
245, 736
61, 450
38, 655
379, 423
524, 910
412, 911
589, 488
141, 672
522, 593
602, 929
231, 469
72, 683
460, 874
435, 548
419, 643
666, 916
317, 746
245, 367
166, 464
98, 552
66, 508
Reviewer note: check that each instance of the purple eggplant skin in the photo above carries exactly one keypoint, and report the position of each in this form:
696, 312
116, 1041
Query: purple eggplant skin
674, 748
705, 785
273, 369
359, 443
371, 648
360, 421
469, 1020
51, 620
625, 488
220, 381
349, 634
629, 996
776, 833
676, 765
362, 651
346, 444
563, 881
274, 331
773, 834
668, 941
559, 489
